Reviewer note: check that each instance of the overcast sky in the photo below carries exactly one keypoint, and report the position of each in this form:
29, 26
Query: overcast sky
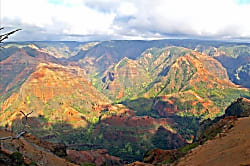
84, 20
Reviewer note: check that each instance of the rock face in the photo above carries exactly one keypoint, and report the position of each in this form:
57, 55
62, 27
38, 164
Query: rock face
98, 157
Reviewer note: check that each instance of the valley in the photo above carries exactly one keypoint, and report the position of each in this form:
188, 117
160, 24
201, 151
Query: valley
127, 97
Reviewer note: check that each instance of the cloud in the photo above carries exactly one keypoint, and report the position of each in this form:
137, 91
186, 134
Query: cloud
127, 19
193, 17
55, 18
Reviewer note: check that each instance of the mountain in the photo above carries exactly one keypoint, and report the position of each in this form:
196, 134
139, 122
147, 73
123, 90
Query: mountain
67, 108
233, 56
57, 49
125, 79
176, 73
127, 97
55, 93
196, 83
169, 82
99, 58
16, 64
237, 67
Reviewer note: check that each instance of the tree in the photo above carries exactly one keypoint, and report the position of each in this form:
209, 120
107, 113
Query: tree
22, 132
6, 35
2, 38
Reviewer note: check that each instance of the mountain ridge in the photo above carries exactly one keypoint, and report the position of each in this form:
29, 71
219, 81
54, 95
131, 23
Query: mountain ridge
105, 93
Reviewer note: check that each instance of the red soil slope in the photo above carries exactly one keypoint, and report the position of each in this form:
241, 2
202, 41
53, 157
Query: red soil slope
230, 150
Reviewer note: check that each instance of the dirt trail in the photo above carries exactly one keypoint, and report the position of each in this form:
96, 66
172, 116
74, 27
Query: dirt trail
233, 149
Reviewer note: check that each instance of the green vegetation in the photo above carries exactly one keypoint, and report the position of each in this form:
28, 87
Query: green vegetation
123, 62
239, 108
235, 51
160, 83
17, 158
187, 126
188, 147
141, 106
87, 164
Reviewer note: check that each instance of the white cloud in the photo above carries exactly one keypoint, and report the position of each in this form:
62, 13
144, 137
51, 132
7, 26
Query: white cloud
127, 9
129, 19
193, 17
67, 18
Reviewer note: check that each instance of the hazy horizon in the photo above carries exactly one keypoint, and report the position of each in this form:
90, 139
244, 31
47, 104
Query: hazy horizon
89, 41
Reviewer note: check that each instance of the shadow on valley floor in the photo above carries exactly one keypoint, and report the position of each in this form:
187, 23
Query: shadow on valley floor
124, 136
158, 108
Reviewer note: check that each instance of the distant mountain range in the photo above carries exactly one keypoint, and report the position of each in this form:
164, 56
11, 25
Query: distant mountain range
124, 96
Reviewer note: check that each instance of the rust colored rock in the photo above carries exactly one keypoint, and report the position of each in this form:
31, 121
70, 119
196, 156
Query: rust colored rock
157, 156
137, 163
98, 157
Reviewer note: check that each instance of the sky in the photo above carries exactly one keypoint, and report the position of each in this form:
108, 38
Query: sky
89, 20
